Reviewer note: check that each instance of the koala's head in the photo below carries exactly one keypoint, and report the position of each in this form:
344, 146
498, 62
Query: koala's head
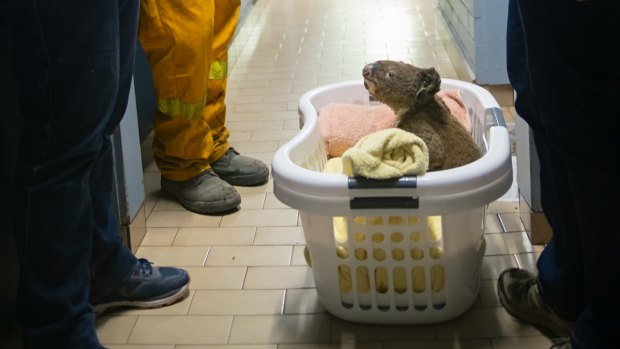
400, 85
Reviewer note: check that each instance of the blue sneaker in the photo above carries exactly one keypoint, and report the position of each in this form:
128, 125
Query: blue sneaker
146, 287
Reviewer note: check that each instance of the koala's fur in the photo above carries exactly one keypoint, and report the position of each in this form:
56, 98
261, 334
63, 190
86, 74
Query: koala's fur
411, 92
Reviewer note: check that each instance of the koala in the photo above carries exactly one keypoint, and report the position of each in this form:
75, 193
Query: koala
411, 92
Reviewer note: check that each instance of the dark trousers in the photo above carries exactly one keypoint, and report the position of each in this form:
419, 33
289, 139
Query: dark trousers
73, 63
560, 63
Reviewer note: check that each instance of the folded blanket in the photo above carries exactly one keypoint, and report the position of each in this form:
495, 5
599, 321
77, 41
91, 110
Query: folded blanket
342, 125
389, 153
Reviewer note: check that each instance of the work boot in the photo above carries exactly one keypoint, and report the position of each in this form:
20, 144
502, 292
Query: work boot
146, 287
240, 170
205, 194
518, 293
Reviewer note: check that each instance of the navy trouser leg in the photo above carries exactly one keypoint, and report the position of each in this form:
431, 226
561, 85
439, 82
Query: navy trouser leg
66, 59
575, 128
112, 261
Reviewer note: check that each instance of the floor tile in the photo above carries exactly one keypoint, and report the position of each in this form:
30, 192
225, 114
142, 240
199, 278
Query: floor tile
492, 266
280, 329
260, 218
159, 236
456, 343
303, 301
493, 224
181, 330
214, 236
252, 201
337, 345
528, 261
138, 346
488, 294
299, 257
533, 342
498, 323
360, 332
174, 256
228, 346
249, 255
115, 329
164, 219
511, 222
237, 302
279, 236
271, 201
168, 204
216, 278
279, 277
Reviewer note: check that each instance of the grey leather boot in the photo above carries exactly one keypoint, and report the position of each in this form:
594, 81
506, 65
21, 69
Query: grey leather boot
241, 170
205, 194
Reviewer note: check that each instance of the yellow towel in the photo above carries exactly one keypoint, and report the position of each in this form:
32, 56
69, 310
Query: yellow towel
389, 153
333, 165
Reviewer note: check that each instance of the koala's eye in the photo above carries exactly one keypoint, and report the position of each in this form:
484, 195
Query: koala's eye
391, 74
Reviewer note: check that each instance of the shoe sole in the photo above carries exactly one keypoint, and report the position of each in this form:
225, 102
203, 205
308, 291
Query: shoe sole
177, 296
542, 327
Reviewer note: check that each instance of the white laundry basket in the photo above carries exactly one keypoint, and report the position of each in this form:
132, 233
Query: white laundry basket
404, 251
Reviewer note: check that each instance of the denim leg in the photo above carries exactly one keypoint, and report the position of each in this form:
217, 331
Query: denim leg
576, 142
112, 261
66, 57
562, 288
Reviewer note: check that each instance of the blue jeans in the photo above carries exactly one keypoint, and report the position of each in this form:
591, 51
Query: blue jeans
557, 54
73, 63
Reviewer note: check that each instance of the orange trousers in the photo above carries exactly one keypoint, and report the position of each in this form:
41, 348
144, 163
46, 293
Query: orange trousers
186, 45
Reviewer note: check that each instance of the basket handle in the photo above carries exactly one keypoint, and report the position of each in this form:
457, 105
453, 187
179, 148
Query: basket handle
383, 202
404, 182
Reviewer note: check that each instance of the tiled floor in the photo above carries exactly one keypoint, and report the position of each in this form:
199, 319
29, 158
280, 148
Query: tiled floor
251, 287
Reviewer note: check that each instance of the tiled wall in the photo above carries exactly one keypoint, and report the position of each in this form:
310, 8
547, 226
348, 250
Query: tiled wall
478, 30
459, 16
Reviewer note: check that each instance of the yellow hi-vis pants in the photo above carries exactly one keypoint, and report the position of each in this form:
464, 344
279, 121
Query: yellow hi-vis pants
186, 44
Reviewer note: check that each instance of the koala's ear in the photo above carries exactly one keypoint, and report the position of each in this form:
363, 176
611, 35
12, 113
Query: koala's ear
428, 82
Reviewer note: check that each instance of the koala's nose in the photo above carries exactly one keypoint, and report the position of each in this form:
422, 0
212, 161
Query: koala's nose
367, 71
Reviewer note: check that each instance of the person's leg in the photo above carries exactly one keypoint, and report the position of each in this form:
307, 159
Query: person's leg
111, 260
518, 289
226, 162
225, 19
118, 278
190, 138
572, 99
177, 42
66, 64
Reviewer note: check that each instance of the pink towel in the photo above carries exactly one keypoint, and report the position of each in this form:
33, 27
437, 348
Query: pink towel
342, 125
454, 101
